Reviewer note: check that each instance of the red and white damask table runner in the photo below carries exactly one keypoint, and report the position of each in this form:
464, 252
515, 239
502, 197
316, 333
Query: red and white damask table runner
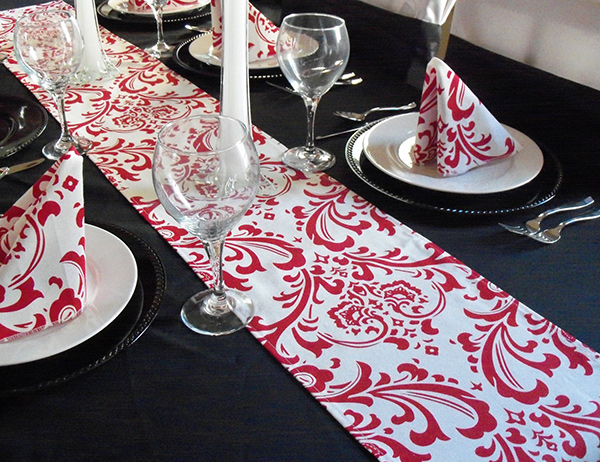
419, 357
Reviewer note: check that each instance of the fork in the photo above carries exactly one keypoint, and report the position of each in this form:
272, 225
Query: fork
346, 79
533, 226
361, 116
349, 78
552, 235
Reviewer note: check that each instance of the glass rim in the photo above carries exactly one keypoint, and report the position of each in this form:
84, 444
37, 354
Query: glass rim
340, 21
230, 145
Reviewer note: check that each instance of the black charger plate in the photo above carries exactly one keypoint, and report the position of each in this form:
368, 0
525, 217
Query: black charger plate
21, 122
184, 59
117, 336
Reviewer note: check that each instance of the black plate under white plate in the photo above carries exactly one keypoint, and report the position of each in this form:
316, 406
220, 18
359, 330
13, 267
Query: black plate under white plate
21, 122
106, 344
183, 57
107, 12
532, 194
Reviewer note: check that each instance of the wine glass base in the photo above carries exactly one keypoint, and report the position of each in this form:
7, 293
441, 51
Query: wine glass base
317, 162
195, 316
56, 149
160, 50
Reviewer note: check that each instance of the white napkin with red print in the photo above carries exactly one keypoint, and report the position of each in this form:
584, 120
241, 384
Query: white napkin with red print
42, 252
262, 33
141, 6
455, 129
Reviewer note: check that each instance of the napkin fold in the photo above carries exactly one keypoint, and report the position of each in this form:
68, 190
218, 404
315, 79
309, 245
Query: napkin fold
42, 252
262, 33
455, 128
141, 6
433, 11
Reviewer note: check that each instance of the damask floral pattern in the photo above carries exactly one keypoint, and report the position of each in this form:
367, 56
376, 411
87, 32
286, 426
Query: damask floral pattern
417, 356
262, 33
455, 129
42, 253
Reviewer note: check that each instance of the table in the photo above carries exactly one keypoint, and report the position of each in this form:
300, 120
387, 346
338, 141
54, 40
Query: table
179, 396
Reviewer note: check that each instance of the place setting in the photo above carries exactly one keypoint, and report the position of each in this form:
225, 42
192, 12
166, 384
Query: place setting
453, 155
140, 11
202, 53
74, 293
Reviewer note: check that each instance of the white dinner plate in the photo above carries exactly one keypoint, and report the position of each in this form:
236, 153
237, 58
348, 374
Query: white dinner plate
200, 49
111, 279
122, 6
387, 145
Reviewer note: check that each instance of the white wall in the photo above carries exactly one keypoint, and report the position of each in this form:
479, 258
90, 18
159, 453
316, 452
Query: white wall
558, 36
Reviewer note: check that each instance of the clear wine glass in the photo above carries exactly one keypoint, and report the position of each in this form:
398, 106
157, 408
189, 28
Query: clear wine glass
49, 47
312, 51
160, 49
206, 173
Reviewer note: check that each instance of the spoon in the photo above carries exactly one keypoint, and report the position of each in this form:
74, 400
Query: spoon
202, 30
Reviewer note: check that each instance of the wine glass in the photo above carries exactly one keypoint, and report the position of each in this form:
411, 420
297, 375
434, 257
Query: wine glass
49, 47
206, 173
312, 51
160, 49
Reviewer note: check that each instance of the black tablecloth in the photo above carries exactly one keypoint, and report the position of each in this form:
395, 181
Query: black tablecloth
175, 395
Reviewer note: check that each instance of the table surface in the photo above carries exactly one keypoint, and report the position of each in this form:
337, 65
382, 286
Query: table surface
175, 395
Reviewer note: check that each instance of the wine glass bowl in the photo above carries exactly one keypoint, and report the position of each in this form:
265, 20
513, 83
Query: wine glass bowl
312, 52
49, 47
160, 49
206, 174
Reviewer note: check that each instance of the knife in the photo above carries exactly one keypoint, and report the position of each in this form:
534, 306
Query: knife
330, 135
19, 167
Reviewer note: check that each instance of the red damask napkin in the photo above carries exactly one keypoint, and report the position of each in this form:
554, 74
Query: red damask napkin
42, 253
262, 33
455, 128
141, 6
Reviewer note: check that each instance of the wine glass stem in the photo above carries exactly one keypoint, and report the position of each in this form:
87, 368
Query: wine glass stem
158, 14
217, 304
311, 110
58, 95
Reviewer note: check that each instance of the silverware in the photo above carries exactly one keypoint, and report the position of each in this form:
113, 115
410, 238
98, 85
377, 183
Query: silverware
355, 81
346, 79
361, 116
202, 30
552, 235
19, 167
533, 226
281, 87
331, 135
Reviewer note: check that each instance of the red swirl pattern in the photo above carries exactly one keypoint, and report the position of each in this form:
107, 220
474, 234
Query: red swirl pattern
262, 33
454, 128
43, 283
419, 357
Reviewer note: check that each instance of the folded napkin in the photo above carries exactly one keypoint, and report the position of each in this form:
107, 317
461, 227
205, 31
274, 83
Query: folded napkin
262, 33
433, 11
454, 128
42, 252
141, 6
